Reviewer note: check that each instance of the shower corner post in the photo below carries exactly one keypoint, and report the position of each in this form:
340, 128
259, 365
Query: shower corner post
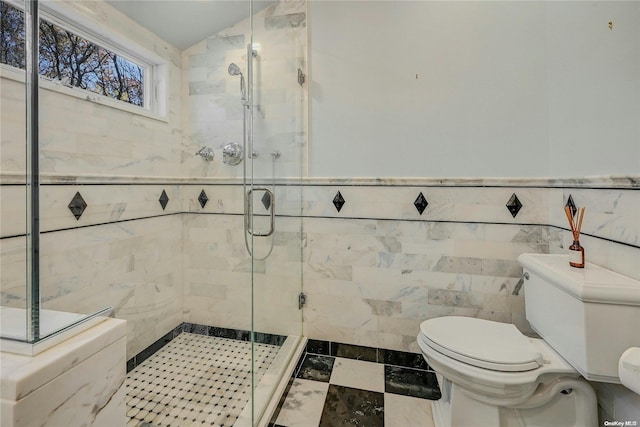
248, 135
32, 172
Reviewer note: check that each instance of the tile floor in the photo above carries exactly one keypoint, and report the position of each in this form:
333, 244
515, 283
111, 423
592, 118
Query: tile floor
200, 380
195, 380
358, 386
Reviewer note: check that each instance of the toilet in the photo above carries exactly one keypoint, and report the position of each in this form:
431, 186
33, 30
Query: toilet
490, 374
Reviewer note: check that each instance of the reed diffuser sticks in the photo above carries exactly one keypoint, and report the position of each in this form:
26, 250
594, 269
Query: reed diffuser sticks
577, 254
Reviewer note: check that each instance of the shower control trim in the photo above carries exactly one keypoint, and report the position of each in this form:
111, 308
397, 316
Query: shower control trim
232, 154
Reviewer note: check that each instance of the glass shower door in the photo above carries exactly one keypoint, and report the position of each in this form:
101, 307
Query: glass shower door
276, 148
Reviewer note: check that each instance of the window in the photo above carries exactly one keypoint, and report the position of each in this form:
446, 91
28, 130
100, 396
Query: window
74, 60
80, 63
12, 36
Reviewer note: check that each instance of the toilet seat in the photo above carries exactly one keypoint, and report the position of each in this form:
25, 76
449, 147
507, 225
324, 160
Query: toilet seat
481, 343
499, 386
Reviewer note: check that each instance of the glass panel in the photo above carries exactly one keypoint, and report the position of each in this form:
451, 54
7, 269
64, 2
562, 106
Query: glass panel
13, 173
148, 216
279, 143
28, 316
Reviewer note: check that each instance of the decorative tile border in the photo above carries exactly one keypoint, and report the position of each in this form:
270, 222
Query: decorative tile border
77, 205
203, 199
514, 205
421, 203
164, 199
611, 214
338, 201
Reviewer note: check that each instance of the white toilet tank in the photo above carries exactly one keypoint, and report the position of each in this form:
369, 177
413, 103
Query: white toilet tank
589, 315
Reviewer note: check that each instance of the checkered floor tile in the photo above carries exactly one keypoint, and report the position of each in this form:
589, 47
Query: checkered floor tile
361, 388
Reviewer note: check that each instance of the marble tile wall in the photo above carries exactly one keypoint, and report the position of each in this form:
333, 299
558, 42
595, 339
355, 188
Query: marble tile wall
371, 272
125, 251
375, 269
12, 131
78, 382
375, 282
133, 266
611, 213
217, 275
81, 137
212, 111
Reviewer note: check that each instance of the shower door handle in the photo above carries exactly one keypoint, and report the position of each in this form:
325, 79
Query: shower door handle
248, 212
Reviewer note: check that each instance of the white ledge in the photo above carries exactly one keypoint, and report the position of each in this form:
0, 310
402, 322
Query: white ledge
604, 181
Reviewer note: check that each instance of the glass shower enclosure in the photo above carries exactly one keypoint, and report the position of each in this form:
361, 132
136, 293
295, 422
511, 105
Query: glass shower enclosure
177, 206
28, 324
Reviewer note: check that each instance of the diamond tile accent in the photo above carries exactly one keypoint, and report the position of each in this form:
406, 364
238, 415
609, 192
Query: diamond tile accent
77, 205
514, 205
420, 203
338, 201
572, 206
266, 200
164, 199
202, 198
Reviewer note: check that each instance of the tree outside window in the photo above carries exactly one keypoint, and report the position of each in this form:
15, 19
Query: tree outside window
11, 36
71, 59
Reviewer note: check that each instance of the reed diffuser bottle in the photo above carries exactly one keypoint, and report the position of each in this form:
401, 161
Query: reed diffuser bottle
576, 256
576, 251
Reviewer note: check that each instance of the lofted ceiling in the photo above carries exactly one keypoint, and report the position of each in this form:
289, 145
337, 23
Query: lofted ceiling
183, 23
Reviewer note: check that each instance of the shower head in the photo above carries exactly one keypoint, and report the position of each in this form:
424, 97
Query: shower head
234, 70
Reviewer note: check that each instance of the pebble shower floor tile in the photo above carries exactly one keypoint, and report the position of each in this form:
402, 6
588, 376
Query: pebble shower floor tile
195, 380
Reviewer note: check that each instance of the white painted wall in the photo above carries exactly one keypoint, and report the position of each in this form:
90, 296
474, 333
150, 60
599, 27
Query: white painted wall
594, 88
482, 89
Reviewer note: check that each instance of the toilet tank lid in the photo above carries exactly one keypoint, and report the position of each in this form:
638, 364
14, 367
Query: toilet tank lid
590, 284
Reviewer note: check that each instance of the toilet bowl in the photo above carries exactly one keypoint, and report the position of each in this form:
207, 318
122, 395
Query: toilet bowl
491, 375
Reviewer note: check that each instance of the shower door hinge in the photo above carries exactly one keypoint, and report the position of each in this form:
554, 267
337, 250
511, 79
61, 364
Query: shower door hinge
301, 77
302, 300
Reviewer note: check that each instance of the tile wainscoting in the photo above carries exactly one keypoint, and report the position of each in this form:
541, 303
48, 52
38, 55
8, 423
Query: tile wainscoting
371, 271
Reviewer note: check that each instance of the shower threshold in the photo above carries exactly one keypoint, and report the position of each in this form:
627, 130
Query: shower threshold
200, 380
